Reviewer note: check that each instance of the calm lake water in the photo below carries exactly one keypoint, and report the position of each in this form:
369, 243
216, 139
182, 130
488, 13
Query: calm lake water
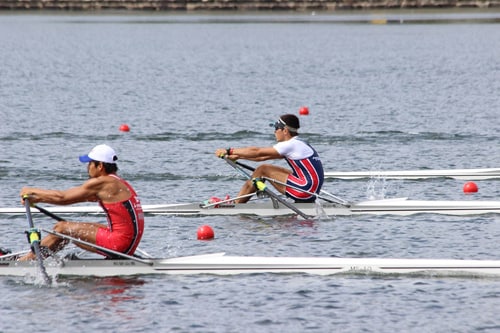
419, 93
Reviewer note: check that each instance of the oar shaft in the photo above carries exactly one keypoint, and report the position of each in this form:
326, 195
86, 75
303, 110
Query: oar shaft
262, 187
337, 199
27, 206
246, 166
58, 218
100, 248
34, 239
235, 164
226, 200
49, 214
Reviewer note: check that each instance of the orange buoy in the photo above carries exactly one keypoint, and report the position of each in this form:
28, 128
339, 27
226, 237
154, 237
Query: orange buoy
304, 111
205, 232
124, 128
470, 187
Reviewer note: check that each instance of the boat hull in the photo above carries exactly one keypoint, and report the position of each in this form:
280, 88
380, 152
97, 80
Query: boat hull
220, 264
400, 206
460, 174
397, 206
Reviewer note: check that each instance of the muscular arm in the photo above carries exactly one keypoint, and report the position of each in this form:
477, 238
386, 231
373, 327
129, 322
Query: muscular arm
252, 153
88, 191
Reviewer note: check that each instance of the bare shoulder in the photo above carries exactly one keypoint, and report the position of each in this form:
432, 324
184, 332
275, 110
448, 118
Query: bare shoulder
104, 181
111, 189
97, 181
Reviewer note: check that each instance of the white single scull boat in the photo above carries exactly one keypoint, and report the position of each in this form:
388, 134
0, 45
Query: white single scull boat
220, 264
462, 174
126, 265
396, 206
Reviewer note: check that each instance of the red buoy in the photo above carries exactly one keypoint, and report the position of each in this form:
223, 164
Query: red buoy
205, 232
304, 111
470, 187
124, 128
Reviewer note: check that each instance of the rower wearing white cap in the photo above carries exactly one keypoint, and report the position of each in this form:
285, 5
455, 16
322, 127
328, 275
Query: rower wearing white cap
125, 217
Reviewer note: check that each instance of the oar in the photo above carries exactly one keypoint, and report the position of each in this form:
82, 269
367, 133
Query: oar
34, 239
225, 201
100, 248
262, 187
246, 166
337, 199
58, 218
49, 214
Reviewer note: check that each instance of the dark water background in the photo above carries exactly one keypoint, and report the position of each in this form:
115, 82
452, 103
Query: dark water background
394, 96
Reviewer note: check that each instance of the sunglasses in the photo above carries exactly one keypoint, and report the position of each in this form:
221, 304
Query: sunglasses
277, 125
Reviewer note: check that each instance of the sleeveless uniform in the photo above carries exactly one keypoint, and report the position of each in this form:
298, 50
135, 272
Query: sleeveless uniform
307, 169
125, 223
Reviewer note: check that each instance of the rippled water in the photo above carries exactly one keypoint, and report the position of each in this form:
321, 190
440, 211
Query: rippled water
395, 96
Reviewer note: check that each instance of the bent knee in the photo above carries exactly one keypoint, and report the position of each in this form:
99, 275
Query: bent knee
60, 226
269, 170
260, 170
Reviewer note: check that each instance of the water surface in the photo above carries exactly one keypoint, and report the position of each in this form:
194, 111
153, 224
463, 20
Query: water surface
393, 96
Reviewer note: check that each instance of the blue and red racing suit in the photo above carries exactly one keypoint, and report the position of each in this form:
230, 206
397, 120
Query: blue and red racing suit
307, 169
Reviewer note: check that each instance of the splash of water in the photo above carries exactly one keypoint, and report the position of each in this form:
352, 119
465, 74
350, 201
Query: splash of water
376, 188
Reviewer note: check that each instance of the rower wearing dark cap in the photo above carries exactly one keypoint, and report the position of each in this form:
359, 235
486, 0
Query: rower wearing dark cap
306, 175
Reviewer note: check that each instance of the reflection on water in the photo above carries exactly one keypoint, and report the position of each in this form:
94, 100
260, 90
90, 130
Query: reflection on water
110, 291
116, 289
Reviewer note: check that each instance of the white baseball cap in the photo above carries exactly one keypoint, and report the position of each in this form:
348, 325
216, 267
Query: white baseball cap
101, 153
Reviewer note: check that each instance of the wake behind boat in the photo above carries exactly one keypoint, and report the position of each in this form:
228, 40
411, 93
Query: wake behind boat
268, 207
220, 264
461, 174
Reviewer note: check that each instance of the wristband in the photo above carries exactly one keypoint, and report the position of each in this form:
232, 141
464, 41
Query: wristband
229, 151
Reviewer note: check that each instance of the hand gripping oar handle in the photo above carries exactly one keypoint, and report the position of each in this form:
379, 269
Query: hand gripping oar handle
262, 187
34, 240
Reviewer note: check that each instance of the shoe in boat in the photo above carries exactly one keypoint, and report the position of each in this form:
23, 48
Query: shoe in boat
213, 200
4, 251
